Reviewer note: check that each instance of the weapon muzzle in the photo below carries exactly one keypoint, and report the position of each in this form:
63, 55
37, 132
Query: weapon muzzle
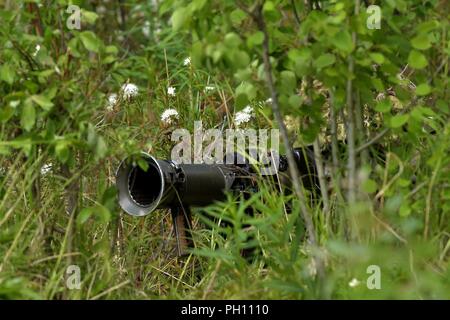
142, 191
166, 185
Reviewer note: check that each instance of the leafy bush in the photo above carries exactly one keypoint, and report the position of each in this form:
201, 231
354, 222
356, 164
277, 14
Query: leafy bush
74, 102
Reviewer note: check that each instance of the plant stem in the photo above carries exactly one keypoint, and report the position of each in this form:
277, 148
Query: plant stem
293, 171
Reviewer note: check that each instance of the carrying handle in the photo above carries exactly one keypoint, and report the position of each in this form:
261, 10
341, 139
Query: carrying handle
182, 225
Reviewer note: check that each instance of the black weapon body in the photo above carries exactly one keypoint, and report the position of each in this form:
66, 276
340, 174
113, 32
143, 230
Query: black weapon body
166, 184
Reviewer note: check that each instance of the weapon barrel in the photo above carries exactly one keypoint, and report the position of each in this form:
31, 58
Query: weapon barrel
165, 184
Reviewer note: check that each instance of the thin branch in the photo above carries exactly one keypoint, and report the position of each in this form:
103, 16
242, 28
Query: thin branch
361, 132
351, 124
258, 17
321, 176
334, 138
428, 200
351, 163
294, 8
373, 140
293, 171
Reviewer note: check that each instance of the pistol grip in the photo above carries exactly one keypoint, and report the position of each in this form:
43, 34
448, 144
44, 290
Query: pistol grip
182, 225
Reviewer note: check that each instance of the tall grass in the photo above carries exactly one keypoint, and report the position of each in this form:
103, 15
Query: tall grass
402, 226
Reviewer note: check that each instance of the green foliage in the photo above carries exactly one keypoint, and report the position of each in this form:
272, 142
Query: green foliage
62, 135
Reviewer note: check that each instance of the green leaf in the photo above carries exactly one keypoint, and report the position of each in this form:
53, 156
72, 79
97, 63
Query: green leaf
417, 60
111, 50
405, 210
302, 60
101, 148
143, 164
7, 73
421, 42
6, 113
245, 90
324, 60
232, 40
369, 186
383, 106
99, 212
42, 101
377, 57
268, 6
255, 39
84, 215
398, 120
237, 16
91, 135
88, 16
288, 81
343, 41
179, 18
197, 5
5, 150
28, 116
378, 84
109, 59
90, 41
427, 26
423, 89
240, 58
62, 151
295, 101
102, 214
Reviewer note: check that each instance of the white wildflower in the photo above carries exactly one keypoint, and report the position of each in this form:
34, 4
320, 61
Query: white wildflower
209, 88
169, 115
36, 51
187, 61
129, 90
243, 116
292, 123
269, 101
14, 103
312, 268
248, 109
353, 283
112, 99
380, 96
101, 10
171, 91
154, 3
146, 29
46, 168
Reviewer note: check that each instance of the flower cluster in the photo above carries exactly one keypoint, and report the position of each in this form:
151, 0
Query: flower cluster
354, 283
209, 88
46, 168
112, 100
171, 91
169, 116
243, 116
36, 51
128, 91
